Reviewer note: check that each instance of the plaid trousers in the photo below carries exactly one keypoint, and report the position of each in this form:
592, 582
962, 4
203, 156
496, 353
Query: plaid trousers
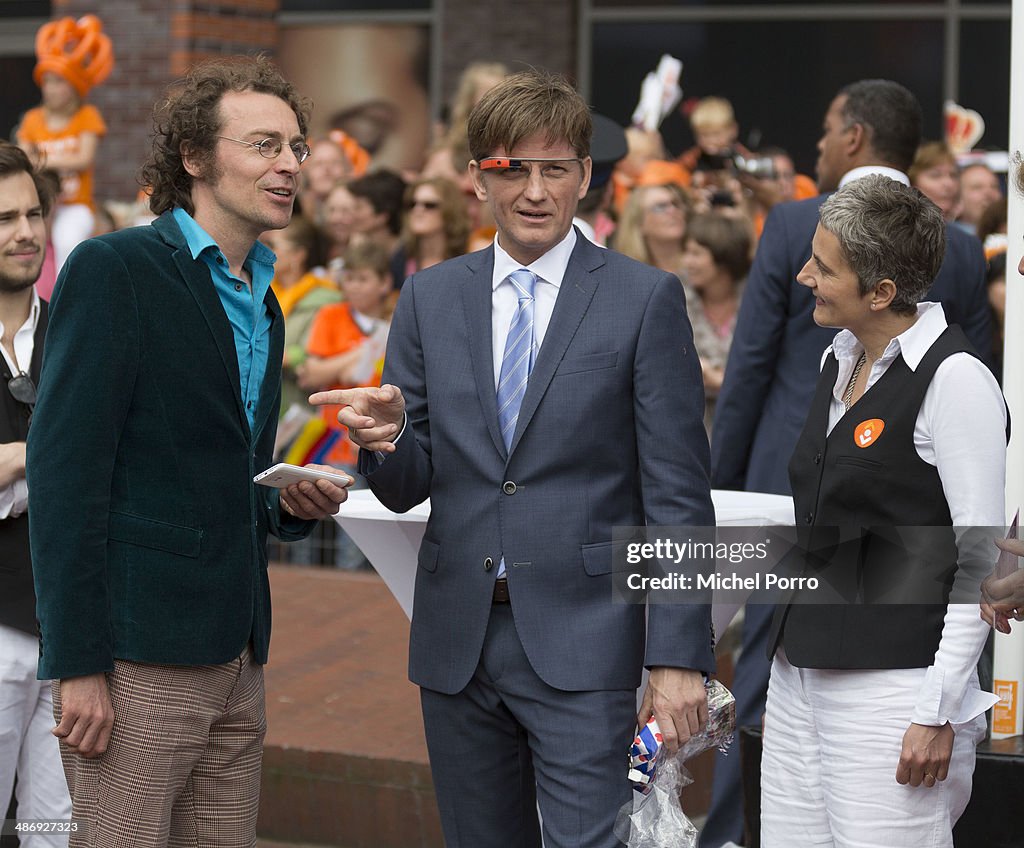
183, 765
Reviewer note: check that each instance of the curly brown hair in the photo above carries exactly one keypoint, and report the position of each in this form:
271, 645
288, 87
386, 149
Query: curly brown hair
189, 119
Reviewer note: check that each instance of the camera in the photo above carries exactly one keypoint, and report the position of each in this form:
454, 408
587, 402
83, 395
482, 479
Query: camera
758, 167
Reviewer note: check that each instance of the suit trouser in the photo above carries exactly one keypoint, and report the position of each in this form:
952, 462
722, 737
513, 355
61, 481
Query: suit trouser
508, 741
27, 747
832, 741
183, 765
750, 686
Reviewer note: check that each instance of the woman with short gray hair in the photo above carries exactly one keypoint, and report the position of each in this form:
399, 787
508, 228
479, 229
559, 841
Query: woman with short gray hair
874, 708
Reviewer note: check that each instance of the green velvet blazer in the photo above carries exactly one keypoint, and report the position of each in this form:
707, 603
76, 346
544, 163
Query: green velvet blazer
148, 535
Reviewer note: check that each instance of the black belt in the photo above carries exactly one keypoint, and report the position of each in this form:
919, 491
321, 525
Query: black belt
500, 591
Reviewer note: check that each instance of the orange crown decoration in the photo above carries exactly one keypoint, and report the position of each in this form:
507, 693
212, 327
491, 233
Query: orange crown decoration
357, 156
76, 50
964, 127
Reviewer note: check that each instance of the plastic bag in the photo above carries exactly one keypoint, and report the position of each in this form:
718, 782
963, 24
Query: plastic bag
654, 818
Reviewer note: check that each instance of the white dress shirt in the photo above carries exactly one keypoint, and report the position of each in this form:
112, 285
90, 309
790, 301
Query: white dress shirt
549, 269
14, 497
961, 430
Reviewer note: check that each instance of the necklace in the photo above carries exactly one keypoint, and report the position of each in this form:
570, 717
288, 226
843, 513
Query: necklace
848, 396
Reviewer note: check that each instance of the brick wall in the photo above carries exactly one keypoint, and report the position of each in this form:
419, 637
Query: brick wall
155, 41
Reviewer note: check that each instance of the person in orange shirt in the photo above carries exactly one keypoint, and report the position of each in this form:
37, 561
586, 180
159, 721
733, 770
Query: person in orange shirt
346, 341
64, 132
345, 349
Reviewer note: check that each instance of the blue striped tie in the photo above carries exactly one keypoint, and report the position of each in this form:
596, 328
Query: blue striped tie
517, 363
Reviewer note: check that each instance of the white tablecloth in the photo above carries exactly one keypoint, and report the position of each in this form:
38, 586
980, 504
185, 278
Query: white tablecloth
391, 541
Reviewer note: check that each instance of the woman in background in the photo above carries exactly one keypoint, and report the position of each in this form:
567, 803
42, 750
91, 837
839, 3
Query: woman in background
435, 226
715, 264
935, 174
653, 226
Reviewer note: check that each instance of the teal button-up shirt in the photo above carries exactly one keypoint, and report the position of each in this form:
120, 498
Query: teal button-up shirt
248, 314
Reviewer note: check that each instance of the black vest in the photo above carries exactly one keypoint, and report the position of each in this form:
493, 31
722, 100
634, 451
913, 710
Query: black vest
876, 528
17, 596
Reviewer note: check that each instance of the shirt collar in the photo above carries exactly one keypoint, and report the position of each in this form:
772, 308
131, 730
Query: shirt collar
866, 170
550, 267
33, 316
27, 329
364, 322
199, 241
586, 229
33, 312
913, 342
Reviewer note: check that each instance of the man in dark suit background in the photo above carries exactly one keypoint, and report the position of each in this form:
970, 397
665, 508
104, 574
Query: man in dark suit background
872, 126
527, 666
27, 748
157, 404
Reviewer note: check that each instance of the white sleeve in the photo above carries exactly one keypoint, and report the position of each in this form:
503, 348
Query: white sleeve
961, 430
14, 499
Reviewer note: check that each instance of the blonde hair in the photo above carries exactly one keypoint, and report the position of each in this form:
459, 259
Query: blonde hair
629, 237
712, 113
466, 95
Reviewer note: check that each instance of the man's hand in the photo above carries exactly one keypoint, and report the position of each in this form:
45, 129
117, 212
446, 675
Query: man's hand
313, 500
925, 755
1003, 599
676, 697
373, 416
86, 715
12, 462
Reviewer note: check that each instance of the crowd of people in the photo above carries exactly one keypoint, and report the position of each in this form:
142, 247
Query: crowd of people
642, 326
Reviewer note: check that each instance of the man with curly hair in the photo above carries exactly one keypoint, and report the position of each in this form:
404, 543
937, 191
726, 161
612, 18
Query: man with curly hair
153, 597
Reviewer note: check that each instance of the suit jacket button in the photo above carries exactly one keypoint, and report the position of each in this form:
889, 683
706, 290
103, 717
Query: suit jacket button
817, 458
508, 487
809, 518
488, 564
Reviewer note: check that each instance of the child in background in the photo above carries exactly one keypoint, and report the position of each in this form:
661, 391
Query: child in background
346, 349
64, 132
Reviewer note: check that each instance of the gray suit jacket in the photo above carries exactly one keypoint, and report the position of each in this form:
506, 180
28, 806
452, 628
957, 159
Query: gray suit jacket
610, 433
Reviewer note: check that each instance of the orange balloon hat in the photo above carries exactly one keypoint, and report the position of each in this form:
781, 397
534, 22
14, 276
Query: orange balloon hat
358, 157
78, 51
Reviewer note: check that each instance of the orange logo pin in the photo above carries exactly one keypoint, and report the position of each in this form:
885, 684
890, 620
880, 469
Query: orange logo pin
867, 432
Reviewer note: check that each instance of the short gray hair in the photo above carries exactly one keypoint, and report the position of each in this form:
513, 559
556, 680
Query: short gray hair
887, 230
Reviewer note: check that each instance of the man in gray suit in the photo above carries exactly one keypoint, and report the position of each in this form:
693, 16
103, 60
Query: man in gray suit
539, 392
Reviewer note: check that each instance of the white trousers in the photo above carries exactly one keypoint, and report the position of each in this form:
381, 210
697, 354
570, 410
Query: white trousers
72, 224
26, 745
832, 741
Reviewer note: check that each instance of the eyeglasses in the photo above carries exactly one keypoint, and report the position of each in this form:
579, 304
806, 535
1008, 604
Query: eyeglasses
429, 205
22, 389
663, 207
514, 169
270, 148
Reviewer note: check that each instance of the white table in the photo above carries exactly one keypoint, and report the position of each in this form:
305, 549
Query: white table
391, 541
